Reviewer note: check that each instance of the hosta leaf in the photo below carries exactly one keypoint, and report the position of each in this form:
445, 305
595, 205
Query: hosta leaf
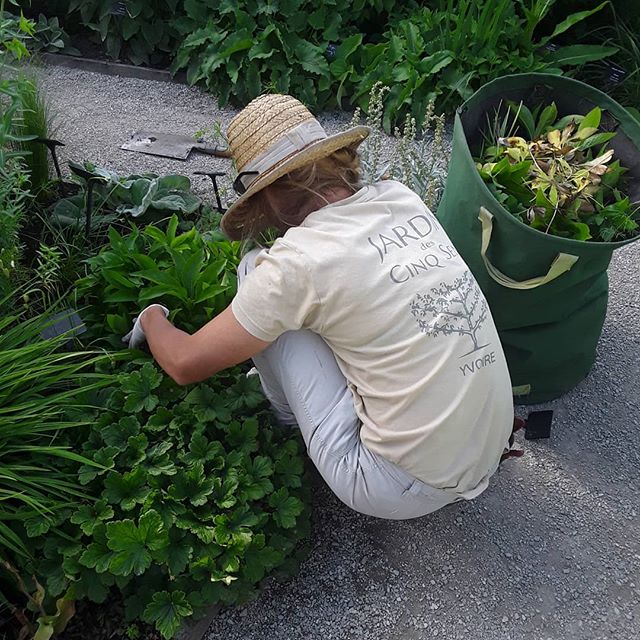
166, 611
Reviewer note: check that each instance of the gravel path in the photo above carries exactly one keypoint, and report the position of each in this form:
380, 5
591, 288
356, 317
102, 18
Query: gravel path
550, 552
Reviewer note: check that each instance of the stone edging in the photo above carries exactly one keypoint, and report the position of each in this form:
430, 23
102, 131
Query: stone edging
111, 68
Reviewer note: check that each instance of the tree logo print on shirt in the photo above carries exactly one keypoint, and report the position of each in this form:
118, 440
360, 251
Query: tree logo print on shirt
456, 307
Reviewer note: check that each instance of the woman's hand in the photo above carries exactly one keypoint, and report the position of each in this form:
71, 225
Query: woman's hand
221, 343
136, 337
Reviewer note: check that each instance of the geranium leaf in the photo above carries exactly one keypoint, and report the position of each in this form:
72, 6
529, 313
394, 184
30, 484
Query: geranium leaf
166, 611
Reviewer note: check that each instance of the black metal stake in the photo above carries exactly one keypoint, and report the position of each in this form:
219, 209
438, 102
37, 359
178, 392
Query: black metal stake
51, 145
89, 207
213, 175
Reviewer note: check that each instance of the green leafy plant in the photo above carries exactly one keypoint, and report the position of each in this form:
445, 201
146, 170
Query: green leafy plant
141, 32
50, 37
39, 384
191, 274
563, 180
198, 498
419, 164
621, 79
33, 121
146, 197
448, 52
13, 175
240, 49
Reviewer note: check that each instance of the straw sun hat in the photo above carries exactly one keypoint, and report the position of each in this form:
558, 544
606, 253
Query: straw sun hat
273, 135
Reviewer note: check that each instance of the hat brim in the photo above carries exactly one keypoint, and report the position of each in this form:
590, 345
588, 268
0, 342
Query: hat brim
233, 220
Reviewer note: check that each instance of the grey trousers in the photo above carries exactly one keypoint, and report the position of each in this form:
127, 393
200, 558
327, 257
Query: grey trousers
302, 381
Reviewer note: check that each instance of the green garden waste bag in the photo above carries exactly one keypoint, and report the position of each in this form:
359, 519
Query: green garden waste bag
547, 295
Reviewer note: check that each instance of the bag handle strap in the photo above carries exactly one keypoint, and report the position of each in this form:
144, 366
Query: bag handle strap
562, 263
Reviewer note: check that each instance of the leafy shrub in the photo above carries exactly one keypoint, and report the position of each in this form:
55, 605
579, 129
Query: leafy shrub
143, 32
239, 49
447, 53
246, 48
194, 276
196, 499
13, 177
50, 37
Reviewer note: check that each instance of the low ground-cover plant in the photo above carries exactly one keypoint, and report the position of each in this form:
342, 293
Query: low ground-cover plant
192, 495
196, 498
561, 179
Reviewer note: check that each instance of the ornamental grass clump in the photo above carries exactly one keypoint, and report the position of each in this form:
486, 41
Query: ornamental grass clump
562, 179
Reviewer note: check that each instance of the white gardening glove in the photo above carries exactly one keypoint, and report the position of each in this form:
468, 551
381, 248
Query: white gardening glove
136, 338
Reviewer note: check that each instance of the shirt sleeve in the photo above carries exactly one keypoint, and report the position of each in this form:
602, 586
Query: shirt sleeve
278, 295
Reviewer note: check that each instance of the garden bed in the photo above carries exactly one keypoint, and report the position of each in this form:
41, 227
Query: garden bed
170, 459
527, 571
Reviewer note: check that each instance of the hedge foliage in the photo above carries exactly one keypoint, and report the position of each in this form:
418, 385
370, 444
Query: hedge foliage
331, 54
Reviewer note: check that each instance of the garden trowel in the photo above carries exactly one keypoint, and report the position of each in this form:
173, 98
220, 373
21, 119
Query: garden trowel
170, 145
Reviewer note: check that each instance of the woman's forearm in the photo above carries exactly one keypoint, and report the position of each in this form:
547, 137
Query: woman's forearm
170, 346
221, 343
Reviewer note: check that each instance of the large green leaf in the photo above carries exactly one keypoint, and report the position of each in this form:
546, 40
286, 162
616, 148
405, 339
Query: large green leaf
311, 58
166, 611
572, 20
579, 54
133, 545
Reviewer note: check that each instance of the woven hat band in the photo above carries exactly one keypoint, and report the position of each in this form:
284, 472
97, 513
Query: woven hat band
295, 139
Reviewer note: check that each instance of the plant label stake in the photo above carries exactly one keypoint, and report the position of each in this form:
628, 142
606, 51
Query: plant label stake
170, 145
538, 425
66, 322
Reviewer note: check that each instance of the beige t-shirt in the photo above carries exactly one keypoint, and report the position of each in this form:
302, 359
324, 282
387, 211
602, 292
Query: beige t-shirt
377, 277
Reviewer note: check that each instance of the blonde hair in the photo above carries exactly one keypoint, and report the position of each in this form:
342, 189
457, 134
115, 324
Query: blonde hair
286, 202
